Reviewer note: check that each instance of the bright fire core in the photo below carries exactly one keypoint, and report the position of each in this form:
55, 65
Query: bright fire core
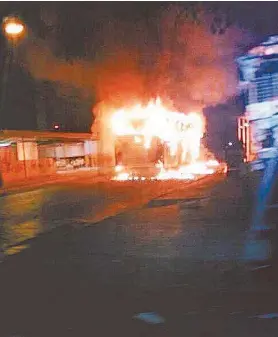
180, 133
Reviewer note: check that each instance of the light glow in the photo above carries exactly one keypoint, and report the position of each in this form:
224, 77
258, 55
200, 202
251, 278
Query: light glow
122, 176
119, 168
13, 27
212, 163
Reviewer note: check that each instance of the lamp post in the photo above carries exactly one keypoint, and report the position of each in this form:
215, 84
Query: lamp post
14, 30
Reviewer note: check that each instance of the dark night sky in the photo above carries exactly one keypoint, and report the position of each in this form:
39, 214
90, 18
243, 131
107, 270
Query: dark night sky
75, 36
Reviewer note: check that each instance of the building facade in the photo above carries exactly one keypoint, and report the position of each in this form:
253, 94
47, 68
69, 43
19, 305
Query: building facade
28, 154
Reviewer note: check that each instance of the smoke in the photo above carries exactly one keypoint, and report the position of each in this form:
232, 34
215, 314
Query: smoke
200, 69
43, 65
115, 78
176, 57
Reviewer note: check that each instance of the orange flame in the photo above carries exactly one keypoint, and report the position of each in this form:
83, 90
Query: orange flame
154, 120
175, 129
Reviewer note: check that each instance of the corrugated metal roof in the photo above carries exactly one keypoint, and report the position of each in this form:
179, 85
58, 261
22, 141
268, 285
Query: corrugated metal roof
45, 135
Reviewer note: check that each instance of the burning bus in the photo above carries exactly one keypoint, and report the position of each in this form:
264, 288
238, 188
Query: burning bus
152, 141
151, 138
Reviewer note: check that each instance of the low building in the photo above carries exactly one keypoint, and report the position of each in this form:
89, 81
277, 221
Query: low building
25, 154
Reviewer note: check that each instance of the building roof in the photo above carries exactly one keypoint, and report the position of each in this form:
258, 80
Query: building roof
45, 135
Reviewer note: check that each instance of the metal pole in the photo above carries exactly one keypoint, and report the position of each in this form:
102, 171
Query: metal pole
244, 136
24, 158
7, 63
5, 78
239, 133
248, 145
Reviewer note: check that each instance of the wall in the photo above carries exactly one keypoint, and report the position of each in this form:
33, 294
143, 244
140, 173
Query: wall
87, 150
19, 161
14, 170
62, 150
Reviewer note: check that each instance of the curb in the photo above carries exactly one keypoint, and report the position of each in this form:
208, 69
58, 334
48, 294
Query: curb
47, 181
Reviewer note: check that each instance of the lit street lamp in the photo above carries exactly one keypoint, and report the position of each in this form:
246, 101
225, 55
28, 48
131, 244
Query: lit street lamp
13, 29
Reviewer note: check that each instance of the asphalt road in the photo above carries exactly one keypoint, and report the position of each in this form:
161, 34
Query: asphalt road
83, 259
26, 214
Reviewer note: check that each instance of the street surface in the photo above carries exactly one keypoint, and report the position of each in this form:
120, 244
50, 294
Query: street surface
27, 213
83, 258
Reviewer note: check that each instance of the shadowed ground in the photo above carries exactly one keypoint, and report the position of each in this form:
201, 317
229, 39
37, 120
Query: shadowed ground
112, 250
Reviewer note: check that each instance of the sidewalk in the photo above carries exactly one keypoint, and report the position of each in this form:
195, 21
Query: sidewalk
57, 178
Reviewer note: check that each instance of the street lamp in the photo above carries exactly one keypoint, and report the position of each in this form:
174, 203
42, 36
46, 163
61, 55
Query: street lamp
13, 28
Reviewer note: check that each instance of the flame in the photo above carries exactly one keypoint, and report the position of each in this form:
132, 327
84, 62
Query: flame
213, 163
185, 172
119, 168
175, 130
154, 120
